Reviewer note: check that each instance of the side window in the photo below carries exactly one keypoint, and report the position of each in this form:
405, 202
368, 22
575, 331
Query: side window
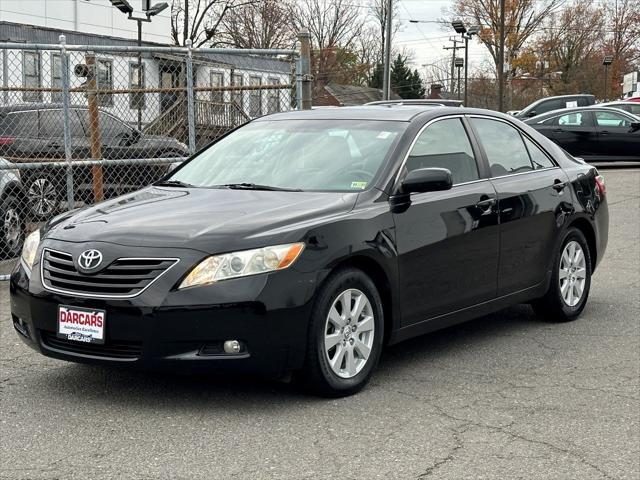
538, 157
545, 107
51, 125
504, 147
575, 119
445, 144
22, 124
110, 128
612, 119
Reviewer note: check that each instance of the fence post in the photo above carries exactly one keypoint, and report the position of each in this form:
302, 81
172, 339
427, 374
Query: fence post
64, 74
94, 126
303, 76
191, 122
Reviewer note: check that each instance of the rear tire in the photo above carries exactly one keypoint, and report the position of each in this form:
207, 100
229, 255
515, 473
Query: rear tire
345, 335
570, 280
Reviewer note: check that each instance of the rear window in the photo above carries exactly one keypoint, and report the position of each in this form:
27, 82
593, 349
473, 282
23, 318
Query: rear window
23, 124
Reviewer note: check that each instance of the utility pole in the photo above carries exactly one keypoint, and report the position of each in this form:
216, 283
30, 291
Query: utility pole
500, 69
453, 61
386, 79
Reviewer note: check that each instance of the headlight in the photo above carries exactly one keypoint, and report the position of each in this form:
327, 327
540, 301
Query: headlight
242, 264
29, 248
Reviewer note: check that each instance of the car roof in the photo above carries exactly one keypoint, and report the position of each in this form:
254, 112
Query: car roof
388, 112
25, 107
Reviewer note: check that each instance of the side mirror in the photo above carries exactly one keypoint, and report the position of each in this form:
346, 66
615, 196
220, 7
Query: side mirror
635, 126
532, 113
427, 180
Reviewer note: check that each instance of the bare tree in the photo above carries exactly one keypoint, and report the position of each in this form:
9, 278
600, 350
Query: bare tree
264, 24
201, 20
335, 26
522, 19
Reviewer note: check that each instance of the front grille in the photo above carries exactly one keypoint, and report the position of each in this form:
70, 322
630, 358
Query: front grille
120, 349
123, 278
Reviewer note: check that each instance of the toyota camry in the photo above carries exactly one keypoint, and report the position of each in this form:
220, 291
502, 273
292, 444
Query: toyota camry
307, 241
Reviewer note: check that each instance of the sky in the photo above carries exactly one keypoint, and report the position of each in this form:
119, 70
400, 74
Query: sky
428, 39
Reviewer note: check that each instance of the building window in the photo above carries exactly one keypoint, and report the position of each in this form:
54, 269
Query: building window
31, 77
104, 80
217, 81
56, 76
236, 96
255, 97
137, 80
273, 97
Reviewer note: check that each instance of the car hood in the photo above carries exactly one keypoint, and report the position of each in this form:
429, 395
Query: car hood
210, 220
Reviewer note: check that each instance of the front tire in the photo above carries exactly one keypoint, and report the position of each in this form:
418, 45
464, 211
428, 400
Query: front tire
345, 335
12, 227
570, 281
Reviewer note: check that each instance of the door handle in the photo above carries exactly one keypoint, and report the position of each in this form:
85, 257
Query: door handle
558, 130
559, 185
53, 145
604, 132
486, 204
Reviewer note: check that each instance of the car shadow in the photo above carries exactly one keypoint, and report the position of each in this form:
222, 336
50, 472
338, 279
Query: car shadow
170, 391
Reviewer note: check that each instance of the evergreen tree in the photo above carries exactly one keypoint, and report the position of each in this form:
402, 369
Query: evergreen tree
404, 82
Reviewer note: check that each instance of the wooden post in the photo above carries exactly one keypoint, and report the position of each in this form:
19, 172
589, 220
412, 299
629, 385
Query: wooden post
94, 127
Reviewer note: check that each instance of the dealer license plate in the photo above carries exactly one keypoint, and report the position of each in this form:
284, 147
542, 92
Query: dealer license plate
81, 324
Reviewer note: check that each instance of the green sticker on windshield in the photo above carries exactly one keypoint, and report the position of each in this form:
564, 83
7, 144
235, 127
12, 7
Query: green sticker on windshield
360, 185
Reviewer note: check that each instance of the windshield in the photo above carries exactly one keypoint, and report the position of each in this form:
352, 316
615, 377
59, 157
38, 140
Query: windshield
342, 155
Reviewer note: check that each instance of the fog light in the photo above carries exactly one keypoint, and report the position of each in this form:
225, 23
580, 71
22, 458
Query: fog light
231, 346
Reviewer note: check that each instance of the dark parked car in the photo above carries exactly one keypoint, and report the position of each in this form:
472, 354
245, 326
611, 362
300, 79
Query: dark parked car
35, 132
306, 241
594, 133
627, 106
548, 104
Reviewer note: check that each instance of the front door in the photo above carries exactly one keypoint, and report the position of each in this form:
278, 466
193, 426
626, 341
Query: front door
447, 241
616, 139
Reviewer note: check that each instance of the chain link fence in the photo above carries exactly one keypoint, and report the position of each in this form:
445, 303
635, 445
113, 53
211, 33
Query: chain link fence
82, 124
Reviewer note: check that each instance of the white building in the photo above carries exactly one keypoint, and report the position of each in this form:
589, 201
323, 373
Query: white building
88, 16
96, 22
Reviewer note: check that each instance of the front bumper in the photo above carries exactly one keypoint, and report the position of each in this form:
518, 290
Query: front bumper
179, 330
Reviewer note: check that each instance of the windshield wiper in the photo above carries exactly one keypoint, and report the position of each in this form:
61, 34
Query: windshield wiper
255, 186
174, 183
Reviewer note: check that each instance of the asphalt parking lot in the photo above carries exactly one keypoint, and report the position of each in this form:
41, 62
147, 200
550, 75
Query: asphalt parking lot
504, 396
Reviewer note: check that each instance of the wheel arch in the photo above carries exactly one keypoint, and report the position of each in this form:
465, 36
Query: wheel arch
589, 233
15, 189
374, 270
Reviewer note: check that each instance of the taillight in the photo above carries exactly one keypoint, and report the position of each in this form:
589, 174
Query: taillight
7, 140
602, 190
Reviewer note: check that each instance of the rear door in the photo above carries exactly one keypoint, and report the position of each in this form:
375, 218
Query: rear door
575, 131
616, 140
447, 241
532, 196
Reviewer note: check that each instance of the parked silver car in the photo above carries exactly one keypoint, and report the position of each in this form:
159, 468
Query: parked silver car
12, 222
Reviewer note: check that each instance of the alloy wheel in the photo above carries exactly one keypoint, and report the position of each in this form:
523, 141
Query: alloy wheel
572, 273
349, 333
42, 197
12, 229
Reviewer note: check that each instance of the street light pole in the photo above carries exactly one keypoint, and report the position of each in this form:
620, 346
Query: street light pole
608, 60
386, 80
500, 69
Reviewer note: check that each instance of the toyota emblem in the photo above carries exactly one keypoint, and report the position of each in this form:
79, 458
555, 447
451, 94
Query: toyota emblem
90, 259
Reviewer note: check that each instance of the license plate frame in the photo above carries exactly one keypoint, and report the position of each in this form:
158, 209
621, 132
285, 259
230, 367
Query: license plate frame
80, 324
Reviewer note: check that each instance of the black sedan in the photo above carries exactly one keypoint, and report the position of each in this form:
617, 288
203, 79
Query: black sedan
307, 241
594, 133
